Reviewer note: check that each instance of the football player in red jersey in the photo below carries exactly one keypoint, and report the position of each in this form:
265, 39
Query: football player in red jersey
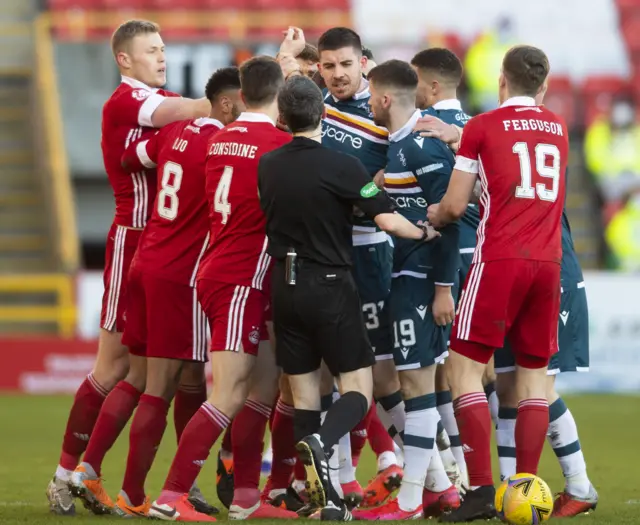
137, 104
232, 288
520, 153
165, 322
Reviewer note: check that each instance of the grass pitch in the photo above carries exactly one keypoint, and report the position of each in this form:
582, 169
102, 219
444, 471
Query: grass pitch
31, 430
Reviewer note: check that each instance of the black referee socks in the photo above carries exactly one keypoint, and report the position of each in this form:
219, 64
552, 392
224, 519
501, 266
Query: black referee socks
342, 417
305, 423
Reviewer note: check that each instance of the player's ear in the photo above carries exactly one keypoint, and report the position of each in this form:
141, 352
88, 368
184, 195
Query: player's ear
324, 113
502, 81
542, 92
123, 60
363, 64
225, 104
435, 87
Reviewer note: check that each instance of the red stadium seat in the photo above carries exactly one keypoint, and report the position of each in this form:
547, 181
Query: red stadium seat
598, 93
176, 5
561, 99
276, 4
631, 33
323, 5
225, 4
59, 5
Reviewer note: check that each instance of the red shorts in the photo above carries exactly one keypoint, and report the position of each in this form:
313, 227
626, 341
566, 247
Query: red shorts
121, 247
164, 319
516, 298
236, 315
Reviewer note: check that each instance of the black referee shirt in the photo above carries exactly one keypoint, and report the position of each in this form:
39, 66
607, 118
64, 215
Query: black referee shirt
308, 193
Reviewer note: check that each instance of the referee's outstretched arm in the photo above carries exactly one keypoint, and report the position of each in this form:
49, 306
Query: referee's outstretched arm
308, 193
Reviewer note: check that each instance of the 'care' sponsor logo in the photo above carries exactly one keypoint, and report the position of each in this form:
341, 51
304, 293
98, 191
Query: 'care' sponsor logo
342, 136
408, 202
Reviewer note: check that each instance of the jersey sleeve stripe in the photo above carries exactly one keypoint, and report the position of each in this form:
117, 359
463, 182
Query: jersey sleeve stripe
148, 108
468, 302
143, 156
485, 200
465, 164
262, 266
116, 278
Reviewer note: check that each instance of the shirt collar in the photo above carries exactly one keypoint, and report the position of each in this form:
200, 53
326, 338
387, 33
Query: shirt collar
208, 120
249, 116
407, 129
450, 103
518, 101
137, 84
363, 93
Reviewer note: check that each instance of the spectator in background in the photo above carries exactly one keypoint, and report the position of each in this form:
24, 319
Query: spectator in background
623, 234
483, 63
612, 151
366, 52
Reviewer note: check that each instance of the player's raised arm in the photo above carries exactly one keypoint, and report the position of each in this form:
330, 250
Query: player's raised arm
463, 179
172, 109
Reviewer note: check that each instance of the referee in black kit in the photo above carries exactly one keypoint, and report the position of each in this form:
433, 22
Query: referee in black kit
308, 193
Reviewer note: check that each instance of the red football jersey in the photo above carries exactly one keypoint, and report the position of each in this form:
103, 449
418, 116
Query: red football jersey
125, 116
237, 251
178, 231
520, 152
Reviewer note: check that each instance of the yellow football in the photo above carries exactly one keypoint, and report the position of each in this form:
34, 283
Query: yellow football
526, 500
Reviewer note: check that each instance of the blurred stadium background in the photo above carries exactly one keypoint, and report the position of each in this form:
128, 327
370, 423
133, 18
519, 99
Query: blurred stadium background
56, 71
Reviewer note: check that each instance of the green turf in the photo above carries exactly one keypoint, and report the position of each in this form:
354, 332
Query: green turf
31, 430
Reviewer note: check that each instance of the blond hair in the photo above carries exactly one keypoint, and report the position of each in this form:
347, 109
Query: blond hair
130, 29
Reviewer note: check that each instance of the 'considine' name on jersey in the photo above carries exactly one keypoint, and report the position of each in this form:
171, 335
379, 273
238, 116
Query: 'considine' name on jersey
417, 175
450, 111
348, 127
233, 149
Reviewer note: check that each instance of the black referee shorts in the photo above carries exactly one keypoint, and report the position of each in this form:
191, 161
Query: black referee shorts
318, 318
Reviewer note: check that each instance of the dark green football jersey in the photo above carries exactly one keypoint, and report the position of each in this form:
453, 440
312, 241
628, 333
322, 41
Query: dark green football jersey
349, 127
417, 175
450, 111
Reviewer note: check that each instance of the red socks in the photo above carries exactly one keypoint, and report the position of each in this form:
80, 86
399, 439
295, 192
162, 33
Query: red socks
283, 445
146, 434
188, 400
116, 411
378, 435
474, 422
247, 441
226, 439
82, 418
195, 445
359, 436
532, 423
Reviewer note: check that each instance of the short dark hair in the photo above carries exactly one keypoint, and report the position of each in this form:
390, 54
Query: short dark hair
223, 79
366, 52
525, 69
301, 104
395, 74
128, 30
260, 80
442, 61
339, 37
309, 53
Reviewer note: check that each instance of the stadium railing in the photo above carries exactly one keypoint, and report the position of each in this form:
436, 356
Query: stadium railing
53, 158
62, 313
35, 300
